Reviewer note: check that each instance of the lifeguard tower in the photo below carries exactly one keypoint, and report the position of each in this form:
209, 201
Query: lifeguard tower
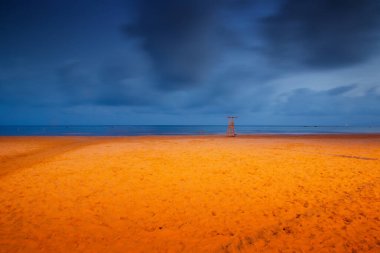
231, 126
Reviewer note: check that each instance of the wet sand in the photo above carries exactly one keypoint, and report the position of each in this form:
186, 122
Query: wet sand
314, 193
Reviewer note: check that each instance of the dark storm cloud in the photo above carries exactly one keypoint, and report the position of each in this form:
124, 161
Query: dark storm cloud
233, 90
334, 101
323, 33
115, 83
183, 38
182, 57
118, 85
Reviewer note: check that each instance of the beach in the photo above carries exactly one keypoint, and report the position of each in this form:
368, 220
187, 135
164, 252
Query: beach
256, 193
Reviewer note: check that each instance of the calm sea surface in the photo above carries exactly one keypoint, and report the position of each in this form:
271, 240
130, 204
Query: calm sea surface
118, 130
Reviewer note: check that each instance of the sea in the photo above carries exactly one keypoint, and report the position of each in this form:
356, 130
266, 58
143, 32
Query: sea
138, 130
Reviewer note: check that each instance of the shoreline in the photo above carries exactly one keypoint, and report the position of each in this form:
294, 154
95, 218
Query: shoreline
202, 135
180, 130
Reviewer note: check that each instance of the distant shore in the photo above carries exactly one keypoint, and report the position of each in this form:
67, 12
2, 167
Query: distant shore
143, 130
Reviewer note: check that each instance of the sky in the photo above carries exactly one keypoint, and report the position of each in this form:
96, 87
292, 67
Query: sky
133, 62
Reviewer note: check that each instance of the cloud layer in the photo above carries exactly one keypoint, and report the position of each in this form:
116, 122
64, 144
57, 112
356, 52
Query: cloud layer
323, 34
200, 57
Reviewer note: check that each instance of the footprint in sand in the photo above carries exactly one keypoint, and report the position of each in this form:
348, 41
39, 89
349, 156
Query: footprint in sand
248, 240
287, 230
347, 220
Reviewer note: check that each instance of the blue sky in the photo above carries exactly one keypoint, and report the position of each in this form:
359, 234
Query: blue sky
281, 62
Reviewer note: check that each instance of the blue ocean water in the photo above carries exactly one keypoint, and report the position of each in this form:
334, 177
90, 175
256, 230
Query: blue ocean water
133, 130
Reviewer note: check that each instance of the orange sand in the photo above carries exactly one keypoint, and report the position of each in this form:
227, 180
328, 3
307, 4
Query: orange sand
190, 194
